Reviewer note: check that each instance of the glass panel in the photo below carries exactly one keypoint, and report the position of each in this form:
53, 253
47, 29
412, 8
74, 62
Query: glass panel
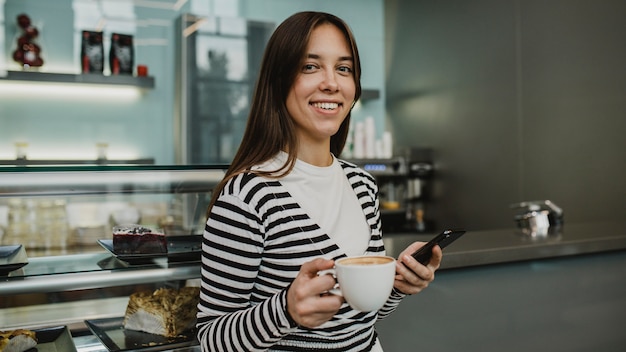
218, 64
68, 209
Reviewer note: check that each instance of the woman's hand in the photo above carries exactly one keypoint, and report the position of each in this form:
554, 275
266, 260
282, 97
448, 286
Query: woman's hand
308, 302
411, 276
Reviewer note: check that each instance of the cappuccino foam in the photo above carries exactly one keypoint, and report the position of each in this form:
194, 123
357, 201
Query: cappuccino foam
365, 260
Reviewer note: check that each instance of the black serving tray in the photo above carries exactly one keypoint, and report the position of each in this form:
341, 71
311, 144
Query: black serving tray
53, 339
111, 332
179, 249
12, 258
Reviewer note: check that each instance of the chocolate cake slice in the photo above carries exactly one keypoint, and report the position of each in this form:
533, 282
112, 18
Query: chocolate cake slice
136, 239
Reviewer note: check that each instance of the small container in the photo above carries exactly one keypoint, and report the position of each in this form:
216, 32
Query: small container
142, 71
102, 150
20, 150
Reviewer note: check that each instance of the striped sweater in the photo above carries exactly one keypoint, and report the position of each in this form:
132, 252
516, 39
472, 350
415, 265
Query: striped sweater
255, 240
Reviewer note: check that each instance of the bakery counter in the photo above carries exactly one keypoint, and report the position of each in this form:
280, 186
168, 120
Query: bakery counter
500, 246
75, 290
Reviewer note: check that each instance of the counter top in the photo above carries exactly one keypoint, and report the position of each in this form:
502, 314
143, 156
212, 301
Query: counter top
510, 245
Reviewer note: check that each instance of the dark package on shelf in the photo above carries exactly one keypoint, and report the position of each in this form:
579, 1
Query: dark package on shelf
92, 52
121, 56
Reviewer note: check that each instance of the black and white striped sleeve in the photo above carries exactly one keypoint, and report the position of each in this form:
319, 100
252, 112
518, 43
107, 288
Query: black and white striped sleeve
232, 253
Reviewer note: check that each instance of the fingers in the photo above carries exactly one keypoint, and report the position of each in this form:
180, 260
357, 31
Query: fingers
313, 267
307, 302
435, 260
411, 276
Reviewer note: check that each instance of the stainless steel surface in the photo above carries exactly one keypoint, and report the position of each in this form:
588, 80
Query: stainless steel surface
508, 245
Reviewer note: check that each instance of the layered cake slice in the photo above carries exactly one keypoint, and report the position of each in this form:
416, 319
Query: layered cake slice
166, 312
136, 239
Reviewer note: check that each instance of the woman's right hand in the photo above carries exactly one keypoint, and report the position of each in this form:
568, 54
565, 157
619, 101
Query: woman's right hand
308, 301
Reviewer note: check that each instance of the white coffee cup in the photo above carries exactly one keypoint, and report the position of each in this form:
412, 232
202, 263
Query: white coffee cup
364, 281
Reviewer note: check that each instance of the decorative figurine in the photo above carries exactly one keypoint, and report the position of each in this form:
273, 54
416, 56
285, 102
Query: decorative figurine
28, 51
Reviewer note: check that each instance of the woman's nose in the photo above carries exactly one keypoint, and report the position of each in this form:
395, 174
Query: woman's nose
329, 83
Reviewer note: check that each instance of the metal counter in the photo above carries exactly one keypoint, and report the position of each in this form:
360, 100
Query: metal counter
509, 245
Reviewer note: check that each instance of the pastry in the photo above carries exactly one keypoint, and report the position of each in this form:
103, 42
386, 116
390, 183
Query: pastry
167, 312
17, 340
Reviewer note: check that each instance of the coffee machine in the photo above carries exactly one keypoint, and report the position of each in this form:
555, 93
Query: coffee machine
404, 189
420, 170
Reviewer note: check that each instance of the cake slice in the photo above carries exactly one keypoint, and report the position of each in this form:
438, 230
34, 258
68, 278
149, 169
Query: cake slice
136, 239
166, 312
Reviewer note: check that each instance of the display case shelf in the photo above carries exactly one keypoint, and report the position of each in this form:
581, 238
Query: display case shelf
82, 271
68, 78
53, 162
32, 181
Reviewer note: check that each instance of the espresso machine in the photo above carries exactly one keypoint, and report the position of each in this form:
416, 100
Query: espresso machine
420, 170
404, 189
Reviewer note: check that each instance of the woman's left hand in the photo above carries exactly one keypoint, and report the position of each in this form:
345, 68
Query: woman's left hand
411, 276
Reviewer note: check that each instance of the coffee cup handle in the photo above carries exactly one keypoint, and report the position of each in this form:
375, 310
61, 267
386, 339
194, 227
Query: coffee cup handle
335, 290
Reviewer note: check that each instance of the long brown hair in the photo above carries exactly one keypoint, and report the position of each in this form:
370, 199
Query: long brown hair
269, 128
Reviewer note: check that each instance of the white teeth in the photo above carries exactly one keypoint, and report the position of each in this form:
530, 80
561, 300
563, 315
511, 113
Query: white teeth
326, 106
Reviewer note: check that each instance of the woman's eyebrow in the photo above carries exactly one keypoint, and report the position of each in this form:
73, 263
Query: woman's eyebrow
341, 58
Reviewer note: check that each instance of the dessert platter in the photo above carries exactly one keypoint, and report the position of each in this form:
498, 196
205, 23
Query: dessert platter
12, 258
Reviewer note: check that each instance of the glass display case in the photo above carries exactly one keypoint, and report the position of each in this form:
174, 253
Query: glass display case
57, 265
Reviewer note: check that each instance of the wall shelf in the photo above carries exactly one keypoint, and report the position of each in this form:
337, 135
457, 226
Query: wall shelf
91, 78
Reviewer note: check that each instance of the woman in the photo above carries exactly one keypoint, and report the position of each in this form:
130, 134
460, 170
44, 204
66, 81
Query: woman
287, 207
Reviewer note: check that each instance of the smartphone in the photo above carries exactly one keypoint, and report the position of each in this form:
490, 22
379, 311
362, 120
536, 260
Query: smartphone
443, 239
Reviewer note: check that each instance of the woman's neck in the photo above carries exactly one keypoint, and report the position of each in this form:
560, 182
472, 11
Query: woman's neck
315, 156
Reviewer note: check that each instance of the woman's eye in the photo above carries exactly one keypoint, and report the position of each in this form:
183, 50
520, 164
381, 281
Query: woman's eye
345, 69
308, 67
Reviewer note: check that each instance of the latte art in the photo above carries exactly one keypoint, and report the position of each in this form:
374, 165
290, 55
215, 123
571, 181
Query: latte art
366, 260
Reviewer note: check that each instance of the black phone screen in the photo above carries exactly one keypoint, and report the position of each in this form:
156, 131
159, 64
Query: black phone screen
443, 239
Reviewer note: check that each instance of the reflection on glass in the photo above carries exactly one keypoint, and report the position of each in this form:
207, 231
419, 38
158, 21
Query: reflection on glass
219, 63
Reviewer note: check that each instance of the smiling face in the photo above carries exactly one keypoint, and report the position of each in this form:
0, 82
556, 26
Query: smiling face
324, 89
